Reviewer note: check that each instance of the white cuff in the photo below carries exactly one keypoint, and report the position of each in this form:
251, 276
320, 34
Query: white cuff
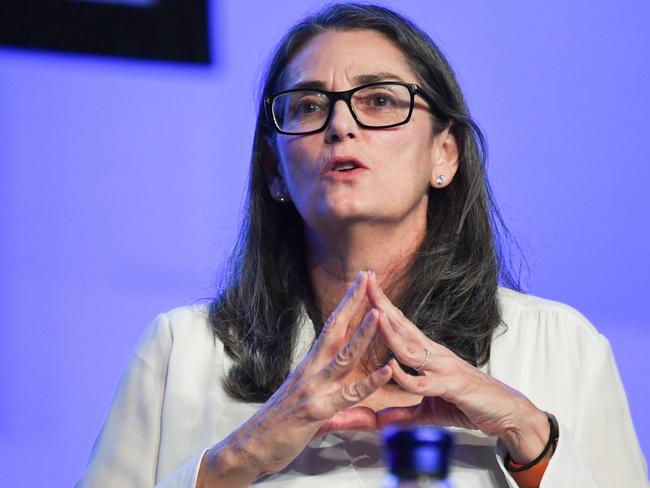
185, 476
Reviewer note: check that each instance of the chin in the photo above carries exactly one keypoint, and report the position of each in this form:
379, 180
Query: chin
344, 210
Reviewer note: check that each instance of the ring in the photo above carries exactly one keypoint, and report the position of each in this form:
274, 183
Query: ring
426, 358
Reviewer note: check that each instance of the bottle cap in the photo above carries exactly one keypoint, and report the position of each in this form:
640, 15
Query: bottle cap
417, 451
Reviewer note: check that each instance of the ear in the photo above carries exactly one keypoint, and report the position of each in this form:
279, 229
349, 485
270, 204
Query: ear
272, 172
445, 158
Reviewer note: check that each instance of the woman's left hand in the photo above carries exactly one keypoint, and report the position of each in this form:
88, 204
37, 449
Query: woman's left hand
455, 393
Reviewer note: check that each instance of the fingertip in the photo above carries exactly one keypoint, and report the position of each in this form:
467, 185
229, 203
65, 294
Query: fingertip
358, 288
373, 279
381, 313
386, 370
395, 367
385, 373
376, 283
373, 289
391, 326
360, 280
371, 318
364, 282
360, 276
368, 325
380, 377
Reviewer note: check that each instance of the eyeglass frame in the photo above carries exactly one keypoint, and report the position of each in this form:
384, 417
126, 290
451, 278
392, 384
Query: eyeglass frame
346, 96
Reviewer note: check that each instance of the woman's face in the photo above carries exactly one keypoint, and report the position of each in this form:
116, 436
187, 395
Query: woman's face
395, 166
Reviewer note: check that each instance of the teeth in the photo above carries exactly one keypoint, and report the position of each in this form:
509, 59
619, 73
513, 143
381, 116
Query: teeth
344, 167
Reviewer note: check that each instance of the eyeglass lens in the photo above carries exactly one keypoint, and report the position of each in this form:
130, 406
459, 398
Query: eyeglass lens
374, 106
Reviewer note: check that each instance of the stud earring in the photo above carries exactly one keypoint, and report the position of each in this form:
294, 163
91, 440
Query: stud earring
440, 179
282, 195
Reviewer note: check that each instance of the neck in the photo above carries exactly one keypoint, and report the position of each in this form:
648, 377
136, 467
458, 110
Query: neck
334, 258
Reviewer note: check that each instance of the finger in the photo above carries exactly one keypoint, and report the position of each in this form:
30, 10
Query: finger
337, 323
398, 320
378, 299
348, 357
354, 418
410, 349
420, 385
352, 393
399, 415
376, 295
435, 412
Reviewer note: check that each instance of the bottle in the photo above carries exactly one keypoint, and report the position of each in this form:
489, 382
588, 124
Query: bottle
417, 457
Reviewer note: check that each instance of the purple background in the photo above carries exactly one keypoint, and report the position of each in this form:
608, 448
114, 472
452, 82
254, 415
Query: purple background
121, 184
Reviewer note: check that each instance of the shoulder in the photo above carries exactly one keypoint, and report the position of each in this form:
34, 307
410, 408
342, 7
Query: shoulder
549, 327
552, 354
519, 309
190, 319
179, 328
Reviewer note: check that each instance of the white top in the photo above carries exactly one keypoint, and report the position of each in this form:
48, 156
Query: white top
170, 407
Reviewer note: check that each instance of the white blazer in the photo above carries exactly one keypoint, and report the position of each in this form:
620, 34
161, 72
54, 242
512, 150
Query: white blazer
170, 408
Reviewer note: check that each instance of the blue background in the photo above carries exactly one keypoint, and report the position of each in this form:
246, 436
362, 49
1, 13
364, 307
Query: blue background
121, 184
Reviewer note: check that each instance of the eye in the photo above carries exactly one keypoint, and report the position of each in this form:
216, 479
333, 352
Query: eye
376, 99
308, 105
380, 101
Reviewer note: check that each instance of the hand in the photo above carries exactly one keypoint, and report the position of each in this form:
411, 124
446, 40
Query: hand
454, 392
316, 398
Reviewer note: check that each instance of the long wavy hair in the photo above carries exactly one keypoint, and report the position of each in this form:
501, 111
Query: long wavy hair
452, 280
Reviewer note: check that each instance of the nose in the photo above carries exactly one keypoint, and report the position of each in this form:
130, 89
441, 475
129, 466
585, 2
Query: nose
342, 124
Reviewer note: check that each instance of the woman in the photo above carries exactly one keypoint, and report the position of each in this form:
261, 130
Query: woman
365, 158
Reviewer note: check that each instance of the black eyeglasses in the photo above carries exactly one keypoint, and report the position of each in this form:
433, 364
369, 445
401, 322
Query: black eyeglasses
375, 105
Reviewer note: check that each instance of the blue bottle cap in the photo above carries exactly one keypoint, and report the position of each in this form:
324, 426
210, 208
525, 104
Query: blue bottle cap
412, 452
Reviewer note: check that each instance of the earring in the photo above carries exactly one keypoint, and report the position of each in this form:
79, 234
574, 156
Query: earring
282, 195
440, 179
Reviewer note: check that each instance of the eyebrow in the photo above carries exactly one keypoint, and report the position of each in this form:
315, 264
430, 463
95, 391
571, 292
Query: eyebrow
363, 79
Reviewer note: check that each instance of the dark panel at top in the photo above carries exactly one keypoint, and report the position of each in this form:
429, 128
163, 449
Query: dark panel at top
174, 30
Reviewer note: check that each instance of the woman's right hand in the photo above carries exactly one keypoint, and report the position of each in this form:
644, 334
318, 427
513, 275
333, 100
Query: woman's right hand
318, 397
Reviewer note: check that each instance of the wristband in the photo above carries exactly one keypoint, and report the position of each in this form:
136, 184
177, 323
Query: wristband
552, 442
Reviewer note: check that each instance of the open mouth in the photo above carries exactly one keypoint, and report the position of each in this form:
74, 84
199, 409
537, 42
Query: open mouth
344, 166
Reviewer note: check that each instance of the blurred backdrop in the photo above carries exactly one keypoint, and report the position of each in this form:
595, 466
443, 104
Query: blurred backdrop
122, 180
